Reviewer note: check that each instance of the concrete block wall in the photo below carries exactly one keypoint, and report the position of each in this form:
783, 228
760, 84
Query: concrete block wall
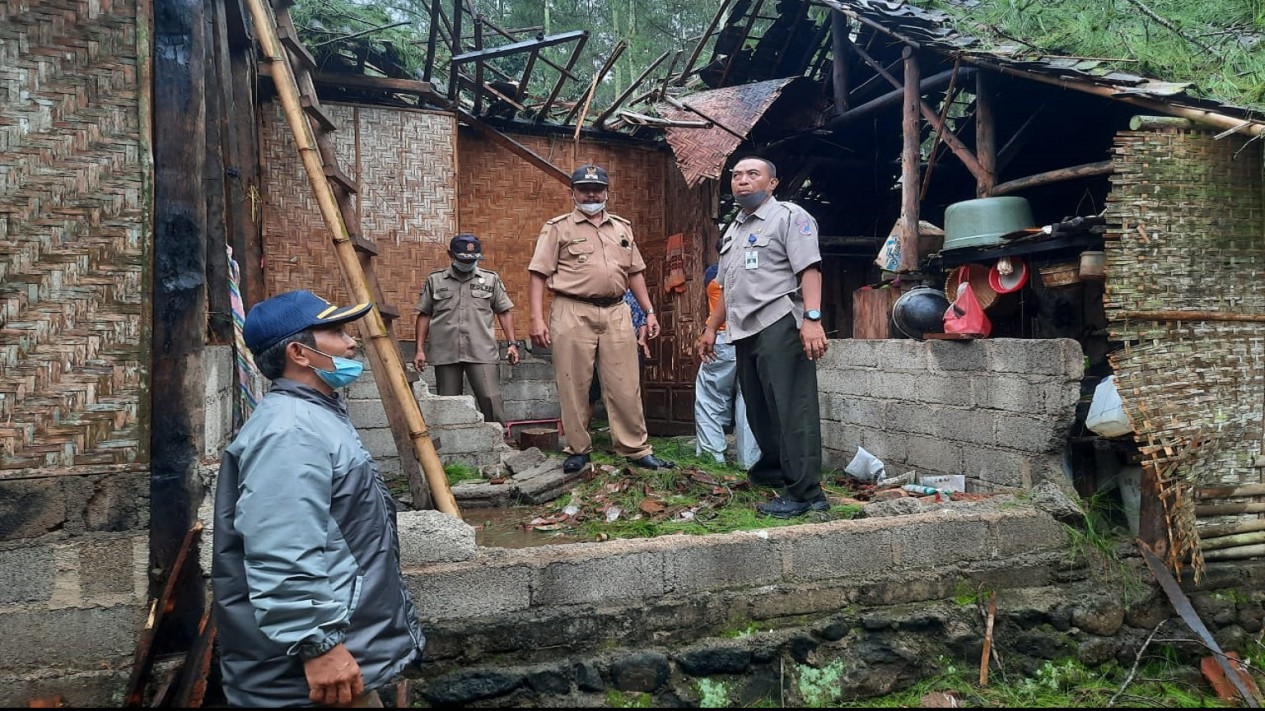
528, 388
995, 410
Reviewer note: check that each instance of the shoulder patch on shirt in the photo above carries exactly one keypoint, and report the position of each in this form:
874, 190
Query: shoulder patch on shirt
805, 224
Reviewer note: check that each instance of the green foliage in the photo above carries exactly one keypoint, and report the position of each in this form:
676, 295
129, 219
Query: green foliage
347, 32
458, 472
819, 687
712, 694
964, 594
625, 700
1216, 44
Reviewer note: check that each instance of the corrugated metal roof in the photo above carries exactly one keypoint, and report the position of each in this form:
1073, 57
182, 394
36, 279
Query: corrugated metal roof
701, 152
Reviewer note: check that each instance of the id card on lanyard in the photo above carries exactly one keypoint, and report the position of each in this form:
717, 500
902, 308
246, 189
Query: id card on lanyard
752, 257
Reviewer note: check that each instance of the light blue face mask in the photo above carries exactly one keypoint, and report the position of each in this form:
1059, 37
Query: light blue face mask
344, 373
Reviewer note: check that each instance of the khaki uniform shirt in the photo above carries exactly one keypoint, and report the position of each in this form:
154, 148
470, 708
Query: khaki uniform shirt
461, 307
761, 256
583, 259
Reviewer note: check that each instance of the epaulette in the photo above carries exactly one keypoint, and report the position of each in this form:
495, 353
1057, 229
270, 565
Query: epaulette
624, 220
489, 271
559, 218
437, 271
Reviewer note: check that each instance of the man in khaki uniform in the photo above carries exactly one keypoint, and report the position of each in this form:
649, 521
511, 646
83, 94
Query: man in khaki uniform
588, 259
454, 312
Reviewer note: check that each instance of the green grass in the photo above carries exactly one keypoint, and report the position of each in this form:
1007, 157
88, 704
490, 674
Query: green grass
699, 496
458, 472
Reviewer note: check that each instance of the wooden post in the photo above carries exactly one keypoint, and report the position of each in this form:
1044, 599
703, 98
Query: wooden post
985, 135
909, 160
839, 64
177, 385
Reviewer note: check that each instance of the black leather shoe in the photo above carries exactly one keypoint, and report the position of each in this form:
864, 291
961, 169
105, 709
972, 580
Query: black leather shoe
575, 463
786, 508
651, 462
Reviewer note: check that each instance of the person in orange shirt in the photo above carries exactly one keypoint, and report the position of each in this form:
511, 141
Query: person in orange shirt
717, 399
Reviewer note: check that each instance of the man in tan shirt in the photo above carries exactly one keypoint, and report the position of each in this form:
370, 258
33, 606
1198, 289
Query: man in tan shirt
454, 313
588, 259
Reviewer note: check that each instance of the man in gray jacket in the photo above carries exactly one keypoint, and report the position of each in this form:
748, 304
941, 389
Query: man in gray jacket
310, 603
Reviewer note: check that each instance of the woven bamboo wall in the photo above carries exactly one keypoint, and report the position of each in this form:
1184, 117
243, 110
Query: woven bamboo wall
74, 237
404, 162
1188, 233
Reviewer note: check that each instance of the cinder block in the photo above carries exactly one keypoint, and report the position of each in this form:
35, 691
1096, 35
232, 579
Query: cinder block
109, 567
957, 356
852, 552
30, 508
1007, 392
855, 383
999, 468
929, 540
66, 637
916, 418
935, 455
367, 414
1034, 435
601, 579
27, 574
1021, 532
740, 560
853, 353
897, 355
454, 591
440, 410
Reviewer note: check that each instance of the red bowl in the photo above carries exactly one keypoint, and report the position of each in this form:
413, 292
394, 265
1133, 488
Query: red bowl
1011, 282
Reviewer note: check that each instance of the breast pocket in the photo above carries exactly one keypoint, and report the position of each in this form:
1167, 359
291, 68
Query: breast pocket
579, 254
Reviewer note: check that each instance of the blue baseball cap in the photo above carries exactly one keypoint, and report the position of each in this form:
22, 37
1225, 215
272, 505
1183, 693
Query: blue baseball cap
273, 320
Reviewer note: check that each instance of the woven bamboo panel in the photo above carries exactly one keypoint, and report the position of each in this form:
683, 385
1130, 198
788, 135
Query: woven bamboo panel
73, 228
404, 163
1187, 219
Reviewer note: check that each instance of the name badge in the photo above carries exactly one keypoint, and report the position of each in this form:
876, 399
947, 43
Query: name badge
753, 259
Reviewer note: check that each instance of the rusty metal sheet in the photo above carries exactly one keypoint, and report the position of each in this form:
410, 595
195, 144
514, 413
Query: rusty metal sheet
701, 152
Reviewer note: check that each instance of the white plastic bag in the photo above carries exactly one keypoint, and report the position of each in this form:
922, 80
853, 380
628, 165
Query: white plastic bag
1106, 411
865, 466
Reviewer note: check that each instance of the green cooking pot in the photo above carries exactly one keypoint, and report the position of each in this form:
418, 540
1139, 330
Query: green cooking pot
982, 222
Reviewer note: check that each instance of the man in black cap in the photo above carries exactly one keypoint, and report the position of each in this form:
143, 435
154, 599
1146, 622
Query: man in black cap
454, 312
310, 604
588, 258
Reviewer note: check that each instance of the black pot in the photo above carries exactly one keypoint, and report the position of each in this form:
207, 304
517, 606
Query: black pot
920, 310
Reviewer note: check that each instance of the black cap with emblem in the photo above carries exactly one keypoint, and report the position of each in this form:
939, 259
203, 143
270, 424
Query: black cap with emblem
466, 247
589, 174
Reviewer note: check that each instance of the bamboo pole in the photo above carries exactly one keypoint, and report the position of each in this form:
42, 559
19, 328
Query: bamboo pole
1228, 509
1241, 539
1226, 529
1190, 316
392, 384
1230, 492
1237, 553
1154, 123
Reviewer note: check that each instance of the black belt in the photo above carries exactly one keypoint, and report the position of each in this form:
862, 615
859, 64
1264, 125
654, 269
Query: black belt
602, 301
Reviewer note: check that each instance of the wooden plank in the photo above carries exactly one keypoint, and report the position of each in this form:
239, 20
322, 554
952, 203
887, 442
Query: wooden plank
339, 178
312, 107
872, 312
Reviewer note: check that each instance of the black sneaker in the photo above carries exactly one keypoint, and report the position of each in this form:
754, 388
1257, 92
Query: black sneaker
786, 508
651, 462
575, 463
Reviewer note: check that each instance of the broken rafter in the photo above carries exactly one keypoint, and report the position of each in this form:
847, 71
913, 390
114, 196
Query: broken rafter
1087, 170
597, 79
644, 120
955, 144
563, 74
523, 46
702, 41
600, 121
514, 147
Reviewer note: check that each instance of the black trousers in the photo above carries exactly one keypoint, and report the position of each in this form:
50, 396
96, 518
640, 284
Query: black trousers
779, 383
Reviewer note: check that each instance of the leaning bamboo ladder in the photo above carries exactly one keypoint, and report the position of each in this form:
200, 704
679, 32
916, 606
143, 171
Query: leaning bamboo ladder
355, 253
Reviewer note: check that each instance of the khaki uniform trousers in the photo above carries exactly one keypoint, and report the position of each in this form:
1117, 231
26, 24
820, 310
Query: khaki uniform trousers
581, 334
485, 381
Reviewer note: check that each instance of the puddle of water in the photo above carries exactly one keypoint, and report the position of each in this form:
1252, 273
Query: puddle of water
506, 528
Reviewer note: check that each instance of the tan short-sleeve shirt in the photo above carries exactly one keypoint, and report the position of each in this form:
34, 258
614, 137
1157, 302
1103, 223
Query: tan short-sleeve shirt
461, 308
582, 259
761, 256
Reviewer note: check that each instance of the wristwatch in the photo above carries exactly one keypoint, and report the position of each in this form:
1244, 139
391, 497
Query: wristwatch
812, 315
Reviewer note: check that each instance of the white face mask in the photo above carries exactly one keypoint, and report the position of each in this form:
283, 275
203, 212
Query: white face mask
591, 208
463, 266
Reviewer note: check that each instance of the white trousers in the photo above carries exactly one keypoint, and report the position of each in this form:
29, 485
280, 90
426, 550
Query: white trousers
718, 403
